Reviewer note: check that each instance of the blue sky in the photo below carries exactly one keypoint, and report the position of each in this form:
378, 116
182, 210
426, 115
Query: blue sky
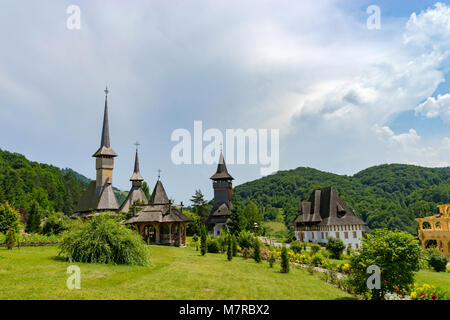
343, 97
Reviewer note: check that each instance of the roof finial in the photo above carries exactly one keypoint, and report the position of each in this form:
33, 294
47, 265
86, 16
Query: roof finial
159, 174
221, 147
106, 91
137, 144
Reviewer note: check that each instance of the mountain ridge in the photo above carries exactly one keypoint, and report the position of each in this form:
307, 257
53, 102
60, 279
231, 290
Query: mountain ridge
385, 196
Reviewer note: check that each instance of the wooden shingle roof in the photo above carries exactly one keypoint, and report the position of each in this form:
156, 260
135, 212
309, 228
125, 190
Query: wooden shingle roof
221, 172
325, 207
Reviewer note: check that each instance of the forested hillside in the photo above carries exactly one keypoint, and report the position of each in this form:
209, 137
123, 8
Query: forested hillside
385, 196
22, 181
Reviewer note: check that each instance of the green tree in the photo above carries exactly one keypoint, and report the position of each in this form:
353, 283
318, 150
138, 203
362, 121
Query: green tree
257, 250
396, 253
34, 221
271, 260
251, 215
284, 260
229, 248
200, 206
55, 223
146, 189
11, 238
9, 218
203, 241
234, 245
335, 247
237, 223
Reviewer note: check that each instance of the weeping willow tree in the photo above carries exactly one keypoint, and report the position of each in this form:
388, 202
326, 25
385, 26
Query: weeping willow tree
103, 240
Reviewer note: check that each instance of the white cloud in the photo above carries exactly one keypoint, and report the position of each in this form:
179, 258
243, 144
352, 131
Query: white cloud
436, 107
310, 69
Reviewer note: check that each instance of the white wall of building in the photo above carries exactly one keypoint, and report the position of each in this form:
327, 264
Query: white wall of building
217, 229
349, 234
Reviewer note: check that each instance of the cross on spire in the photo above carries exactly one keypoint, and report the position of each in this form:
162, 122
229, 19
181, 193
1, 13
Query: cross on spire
137, 144
159, 174
106, 91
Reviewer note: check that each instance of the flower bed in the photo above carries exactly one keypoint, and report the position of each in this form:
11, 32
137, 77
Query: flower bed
26, 239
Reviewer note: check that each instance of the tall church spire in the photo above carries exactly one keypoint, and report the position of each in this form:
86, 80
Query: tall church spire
136, 174
105, 142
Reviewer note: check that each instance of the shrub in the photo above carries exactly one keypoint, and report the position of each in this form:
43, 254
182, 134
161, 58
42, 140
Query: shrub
195, 241
284, 260
103, 240
349, 249
315, 248
203, 245
336, 247
257, 250
55, 223
245, 239
436, 260
317, 259
248, 253
11, 238
9, 218
213, 245
296, 247
396, 253
234, 245
271, 260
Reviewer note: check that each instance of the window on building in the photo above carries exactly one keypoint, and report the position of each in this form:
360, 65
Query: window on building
312, 235
354, 234
356, 246
346, 235
322, 235
337, 235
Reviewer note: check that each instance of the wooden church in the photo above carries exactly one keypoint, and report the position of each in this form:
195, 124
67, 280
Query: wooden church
157, 219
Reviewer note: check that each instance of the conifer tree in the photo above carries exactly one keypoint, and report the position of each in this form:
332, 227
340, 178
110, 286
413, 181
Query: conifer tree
229, 248
9, 218
34, 221
257, 250
284, 260
234, 245
203, 247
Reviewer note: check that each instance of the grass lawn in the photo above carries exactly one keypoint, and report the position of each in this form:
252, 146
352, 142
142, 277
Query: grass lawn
438, 279
175, 273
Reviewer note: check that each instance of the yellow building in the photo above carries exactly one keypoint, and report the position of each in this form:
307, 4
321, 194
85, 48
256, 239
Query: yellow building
436, 228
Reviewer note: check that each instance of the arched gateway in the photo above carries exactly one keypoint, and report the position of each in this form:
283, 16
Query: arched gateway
436, 229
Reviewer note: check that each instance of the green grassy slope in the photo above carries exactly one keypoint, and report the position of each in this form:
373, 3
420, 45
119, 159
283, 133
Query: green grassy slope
175, 273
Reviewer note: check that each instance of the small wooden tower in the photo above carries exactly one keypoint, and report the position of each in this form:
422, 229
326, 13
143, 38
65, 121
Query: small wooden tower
222, 184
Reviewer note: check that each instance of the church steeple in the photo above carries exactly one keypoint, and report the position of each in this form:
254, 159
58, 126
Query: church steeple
105, 142
105, 155
222, 183
100, 196
221, 172
221, 210
136, 177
